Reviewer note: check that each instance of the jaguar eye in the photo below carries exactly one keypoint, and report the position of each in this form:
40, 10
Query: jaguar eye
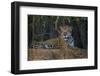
65, 33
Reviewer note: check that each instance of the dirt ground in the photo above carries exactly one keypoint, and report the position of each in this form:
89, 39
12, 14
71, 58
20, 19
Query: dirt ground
51, 54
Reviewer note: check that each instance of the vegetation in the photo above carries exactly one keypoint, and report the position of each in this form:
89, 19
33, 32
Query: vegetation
41, 28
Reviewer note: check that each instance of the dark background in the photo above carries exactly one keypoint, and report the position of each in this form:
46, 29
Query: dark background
41, 28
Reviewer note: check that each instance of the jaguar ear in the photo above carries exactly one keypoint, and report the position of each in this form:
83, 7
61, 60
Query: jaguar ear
61, 28
70, 28
58, 31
